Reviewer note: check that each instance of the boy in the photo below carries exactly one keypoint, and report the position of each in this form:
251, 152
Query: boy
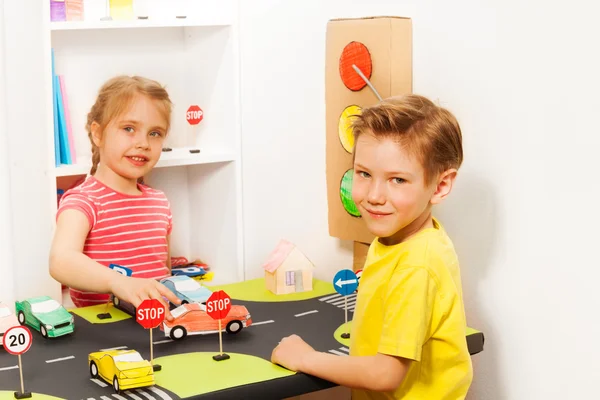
408, 338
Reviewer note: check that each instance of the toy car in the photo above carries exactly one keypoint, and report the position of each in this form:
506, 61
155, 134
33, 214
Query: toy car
187, 289
192, 319
7, 319
188, 271
124, 369
45, 315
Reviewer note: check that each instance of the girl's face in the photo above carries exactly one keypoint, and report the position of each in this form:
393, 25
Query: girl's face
131, 144
389, 189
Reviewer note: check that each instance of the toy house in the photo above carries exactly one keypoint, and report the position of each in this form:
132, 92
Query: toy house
288, 270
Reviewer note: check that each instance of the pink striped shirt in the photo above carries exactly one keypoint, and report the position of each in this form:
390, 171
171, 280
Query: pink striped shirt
129, 230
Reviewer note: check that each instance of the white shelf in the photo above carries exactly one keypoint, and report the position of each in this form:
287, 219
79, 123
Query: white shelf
176, 157
210, 20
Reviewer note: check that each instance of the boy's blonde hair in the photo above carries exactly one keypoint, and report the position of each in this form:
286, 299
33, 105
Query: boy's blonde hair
115, 96
429, 132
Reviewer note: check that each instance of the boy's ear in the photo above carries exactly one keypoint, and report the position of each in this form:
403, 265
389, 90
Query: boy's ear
96, 133
444, 186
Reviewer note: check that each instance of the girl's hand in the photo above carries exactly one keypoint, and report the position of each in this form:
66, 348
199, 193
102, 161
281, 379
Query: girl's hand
136, 290
290, 353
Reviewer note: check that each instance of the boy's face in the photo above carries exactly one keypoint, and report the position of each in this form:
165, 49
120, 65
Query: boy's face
132, 143
389, 188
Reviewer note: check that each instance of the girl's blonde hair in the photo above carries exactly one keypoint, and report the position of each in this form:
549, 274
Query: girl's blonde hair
115, 96
429, 132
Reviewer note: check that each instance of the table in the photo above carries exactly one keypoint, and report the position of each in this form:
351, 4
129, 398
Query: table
59, 367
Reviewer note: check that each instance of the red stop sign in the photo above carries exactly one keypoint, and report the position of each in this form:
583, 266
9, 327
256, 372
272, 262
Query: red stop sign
150, 313
194, 115
218, 305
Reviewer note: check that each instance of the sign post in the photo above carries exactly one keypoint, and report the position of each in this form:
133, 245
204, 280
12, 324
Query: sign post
193, 116
218, 306
150, 314
17, 340
345, 282
123, 271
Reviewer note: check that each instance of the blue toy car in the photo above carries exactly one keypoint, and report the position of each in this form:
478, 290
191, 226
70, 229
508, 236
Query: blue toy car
187, 289
188, 271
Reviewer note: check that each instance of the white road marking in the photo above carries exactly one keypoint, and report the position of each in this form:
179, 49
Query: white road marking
339, 353
133, 395
144, 394
59, 359
99, 382
330, 297
159, 392
105, 398
8, 368
306, 313
114, 348
262, 322
163, 341
347, 350
118, 396
338, 303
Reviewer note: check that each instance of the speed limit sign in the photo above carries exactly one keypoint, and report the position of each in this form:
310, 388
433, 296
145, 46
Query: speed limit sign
17, 340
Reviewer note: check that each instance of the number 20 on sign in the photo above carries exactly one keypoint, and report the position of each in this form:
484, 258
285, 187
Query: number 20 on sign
17, 340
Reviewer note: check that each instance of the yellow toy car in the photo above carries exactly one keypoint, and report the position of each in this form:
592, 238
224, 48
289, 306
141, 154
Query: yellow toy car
124, 369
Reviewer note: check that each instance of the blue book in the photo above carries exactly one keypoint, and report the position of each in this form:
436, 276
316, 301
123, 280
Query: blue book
63, 135
55, 114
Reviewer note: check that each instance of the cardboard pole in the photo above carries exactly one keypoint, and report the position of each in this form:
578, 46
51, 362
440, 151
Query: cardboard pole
346, 310
220, 339
21, 374
151, 350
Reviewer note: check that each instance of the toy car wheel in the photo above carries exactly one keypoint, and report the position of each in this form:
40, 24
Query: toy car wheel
116, 301
93, 370
43, 331
177, 333
234, 327
184, 302
21, 317
116, 385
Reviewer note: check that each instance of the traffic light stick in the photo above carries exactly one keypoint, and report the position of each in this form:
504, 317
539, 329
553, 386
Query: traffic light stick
155, 367
346, 335
221, 356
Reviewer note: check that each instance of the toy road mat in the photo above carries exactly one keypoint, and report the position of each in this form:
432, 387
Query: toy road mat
58, 368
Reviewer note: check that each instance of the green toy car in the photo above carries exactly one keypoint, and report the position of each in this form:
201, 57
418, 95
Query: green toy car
45, 315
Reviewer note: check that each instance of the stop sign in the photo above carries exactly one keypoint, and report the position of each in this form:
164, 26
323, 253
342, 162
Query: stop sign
218, 305
150, 313
194, 115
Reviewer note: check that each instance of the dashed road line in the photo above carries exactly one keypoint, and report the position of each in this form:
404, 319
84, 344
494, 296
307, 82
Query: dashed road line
114, 348
160, 393
98, 382
338, 353
118, 396
105, 398
347, 350
262, 322
162, 341
9, 368
333, 296
60, 359
306, 313
133, 395
146, 395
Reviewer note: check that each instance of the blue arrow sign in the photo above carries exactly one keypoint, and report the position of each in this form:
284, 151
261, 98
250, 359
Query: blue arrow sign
120, 269
345, 282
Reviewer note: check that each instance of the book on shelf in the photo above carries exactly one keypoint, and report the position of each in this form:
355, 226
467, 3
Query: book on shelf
66, 10
64, 146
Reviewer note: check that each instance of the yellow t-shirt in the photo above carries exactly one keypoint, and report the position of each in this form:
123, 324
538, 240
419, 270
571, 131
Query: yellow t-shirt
410, 305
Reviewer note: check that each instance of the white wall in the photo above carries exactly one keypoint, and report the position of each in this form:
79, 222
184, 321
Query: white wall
283, 92
524, 82
6, 270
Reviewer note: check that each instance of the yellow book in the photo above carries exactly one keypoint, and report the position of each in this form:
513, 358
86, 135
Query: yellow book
121, 9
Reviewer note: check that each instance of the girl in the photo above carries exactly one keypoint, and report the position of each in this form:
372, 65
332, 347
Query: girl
112, 217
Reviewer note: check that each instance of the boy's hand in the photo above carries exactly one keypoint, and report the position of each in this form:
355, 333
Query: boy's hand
290, 353
136, 290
